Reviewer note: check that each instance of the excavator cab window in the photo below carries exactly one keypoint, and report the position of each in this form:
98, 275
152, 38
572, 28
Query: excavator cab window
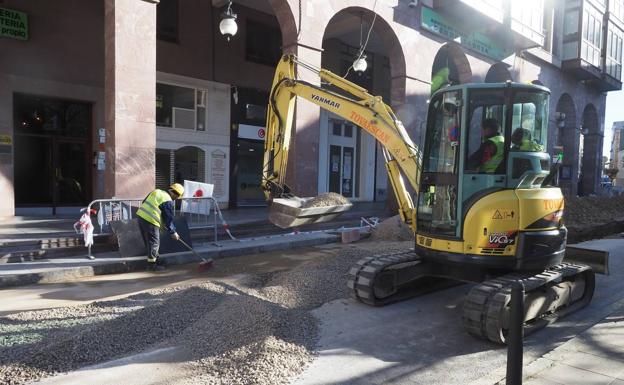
486, 143
437, 205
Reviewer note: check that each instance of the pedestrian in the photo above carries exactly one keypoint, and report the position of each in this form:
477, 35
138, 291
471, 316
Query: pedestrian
489, 156
156, 211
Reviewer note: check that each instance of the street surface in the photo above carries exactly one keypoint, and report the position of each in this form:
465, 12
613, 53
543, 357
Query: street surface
420, 341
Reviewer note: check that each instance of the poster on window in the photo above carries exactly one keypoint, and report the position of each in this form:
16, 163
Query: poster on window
194, 189
217, 172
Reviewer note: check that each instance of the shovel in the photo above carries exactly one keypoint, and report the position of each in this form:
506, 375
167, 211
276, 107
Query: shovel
205, 264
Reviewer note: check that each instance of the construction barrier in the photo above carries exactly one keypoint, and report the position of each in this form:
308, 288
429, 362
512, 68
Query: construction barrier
196, 210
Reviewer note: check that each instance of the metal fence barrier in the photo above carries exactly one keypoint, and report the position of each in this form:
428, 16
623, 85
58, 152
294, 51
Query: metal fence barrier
197, 212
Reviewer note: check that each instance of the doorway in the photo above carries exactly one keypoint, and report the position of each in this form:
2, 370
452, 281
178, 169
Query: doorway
342, 158
52, 165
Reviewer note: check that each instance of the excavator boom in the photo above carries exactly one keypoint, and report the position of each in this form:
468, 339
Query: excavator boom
352, 103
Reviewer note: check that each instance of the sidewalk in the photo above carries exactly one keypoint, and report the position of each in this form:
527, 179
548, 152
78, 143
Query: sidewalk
595, 356
256, 235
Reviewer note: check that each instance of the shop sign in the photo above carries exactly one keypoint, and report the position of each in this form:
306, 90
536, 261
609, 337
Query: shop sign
13, 24
438, 24
246, 131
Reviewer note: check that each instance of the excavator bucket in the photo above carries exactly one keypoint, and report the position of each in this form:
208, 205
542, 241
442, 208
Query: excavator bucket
291, 212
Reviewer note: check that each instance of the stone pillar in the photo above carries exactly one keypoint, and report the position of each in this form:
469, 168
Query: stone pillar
7, 203
303, 172
130, 97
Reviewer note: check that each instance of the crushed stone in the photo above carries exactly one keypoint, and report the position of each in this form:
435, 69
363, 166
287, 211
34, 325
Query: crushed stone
255, 331
392, 229
326, 199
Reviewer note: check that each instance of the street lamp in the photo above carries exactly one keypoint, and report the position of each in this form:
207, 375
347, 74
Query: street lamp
360, 65
228, 26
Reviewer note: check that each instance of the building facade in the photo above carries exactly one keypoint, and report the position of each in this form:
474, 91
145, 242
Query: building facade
109, 98
616, 160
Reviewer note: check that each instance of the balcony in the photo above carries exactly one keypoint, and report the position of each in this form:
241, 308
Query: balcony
581, 69
515, 24
606, 83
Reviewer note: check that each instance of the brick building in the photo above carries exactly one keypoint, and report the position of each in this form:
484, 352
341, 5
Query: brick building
103, 98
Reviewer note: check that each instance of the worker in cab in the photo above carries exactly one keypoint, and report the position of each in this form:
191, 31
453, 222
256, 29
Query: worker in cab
489, 156
156, 212
521, 141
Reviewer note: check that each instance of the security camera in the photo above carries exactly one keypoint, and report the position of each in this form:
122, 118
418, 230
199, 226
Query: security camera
413, 3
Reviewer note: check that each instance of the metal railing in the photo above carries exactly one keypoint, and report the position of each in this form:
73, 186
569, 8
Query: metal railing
197, 212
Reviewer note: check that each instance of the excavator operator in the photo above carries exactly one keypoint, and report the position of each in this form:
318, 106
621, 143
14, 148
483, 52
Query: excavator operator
489, 156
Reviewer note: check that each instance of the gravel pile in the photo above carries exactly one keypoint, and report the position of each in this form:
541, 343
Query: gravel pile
392, 229
326, 199
259, 331
583, 211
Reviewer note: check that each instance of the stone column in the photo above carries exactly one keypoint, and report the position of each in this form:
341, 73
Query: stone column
303, 172
130, 97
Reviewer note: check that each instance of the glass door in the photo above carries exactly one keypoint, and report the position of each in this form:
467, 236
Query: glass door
437, 205
52, 162
342, 158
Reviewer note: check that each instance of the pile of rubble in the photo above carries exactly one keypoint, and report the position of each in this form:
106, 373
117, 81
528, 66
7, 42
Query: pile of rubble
257, 330
583, 211
326, 199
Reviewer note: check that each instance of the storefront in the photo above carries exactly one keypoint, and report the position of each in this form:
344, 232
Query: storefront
248, 132
192, 142
52, 153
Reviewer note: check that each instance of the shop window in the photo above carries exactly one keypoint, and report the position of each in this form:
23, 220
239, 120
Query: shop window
263, 43
167, 20
180, 107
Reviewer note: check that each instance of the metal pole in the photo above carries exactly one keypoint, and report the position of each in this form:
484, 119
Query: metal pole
515, 335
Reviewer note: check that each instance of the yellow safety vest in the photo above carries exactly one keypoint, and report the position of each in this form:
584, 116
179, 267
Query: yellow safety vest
529, 145
149, 209
492, 164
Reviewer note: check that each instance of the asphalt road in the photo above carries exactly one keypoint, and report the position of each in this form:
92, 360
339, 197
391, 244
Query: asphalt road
422, 341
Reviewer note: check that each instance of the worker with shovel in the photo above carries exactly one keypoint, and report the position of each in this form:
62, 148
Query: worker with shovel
155, 211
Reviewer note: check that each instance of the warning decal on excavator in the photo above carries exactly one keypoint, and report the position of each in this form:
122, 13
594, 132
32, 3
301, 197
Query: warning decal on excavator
425, 241
503, 214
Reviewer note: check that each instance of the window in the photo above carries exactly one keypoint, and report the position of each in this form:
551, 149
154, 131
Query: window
529, 122
180, 107
526, 18
614, 52
616, 7
437, 202
592, 36
167, 20
443, 134
487, 109
263, 43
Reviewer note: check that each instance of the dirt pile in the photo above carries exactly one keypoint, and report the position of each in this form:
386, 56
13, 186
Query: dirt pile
326, 199
256, 331
583, 211
392, 229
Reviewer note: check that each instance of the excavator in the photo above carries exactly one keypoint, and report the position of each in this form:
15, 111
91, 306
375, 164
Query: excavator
478, 217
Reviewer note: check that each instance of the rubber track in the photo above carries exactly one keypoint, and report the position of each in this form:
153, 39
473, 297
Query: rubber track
484, 306
361, 277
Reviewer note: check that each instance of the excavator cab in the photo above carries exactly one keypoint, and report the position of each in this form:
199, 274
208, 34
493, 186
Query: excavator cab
484, 168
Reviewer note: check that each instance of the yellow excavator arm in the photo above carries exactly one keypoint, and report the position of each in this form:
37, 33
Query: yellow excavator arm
352, 103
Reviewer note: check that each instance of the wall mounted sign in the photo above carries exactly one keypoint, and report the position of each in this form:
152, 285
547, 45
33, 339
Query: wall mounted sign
444, 26
13, 24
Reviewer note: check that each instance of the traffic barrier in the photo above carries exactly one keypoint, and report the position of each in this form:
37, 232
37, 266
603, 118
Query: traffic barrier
196, 210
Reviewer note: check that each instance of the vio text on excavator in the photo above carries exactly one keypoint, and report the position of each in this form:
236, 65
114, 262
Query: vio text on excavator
486, 224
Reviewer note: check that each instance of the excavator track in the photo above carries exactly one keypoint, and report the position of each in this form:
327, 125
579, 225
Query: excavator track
381, 279
549, 295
